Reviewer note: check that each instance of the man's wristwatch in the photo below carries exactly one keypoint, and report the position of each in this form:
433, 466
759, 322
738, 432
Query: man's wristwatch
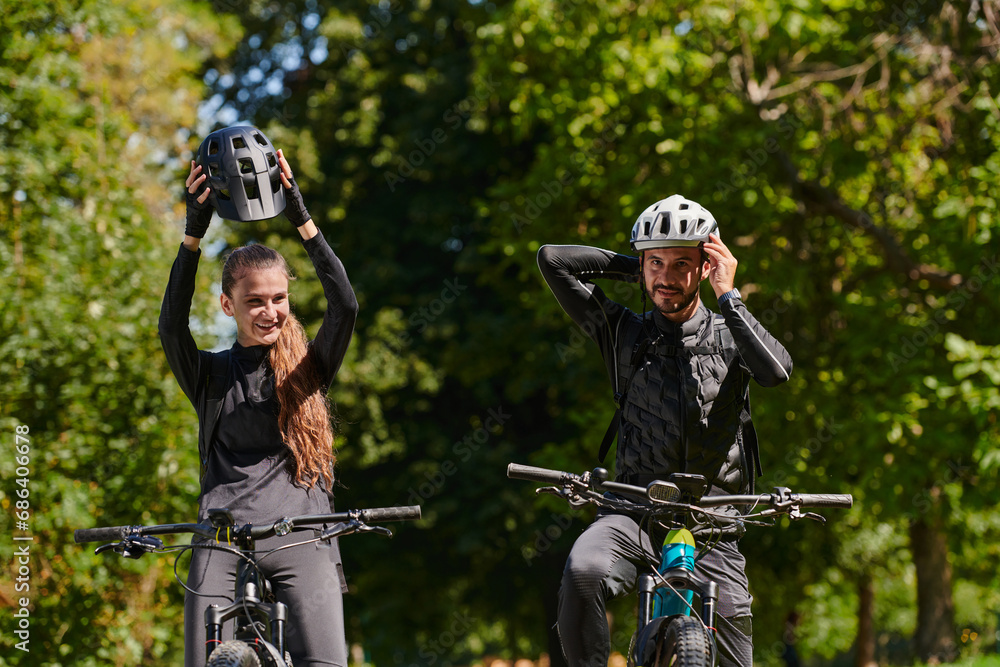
731, 294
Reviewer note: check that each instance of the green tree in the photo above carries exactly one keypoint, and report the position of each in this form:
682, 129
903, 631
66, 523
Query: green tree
847, 151
843, 147
94, 99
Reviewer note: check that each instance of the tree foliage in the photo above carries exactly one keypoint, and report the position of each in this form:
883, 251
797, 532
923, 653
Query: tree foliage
848, 149
94, 101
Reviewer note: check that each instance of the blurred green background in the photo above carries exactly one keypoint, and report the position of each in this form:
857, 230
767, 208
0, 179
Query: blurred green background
849, 149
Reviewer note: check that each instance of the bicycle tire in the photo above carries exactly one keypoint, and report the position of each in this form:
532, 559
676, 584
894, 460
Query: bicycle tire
685, 643
233, 654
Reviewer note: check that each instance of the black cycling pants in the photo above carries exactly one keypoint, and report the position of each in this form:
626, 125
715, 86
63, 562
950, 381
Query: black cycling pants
305, 578
604, 563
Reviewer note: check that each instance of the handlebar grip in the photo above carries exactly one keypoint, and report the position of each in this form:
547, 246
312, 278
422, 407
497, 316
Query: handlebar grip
825, 499
378, 514
105, 534
533, 474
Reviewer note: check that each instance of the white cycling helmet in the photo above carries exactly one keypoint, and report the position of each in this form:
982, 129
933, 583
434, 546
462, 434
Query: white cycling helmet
674, 222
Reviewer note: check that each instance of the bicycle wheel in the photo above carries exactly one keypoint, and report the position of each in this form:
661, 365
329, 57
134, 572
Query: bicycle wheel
233, 654
685, 644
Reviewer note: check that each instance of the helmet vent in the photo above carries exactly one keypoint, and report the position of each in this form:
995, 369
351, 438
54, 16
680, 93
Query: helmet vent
243, 168
674, 222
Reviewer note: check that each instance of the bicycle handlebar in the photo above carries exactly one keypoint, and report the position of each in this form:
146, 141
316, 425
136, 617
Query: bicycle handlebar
406, 513
533, 474
800, 500
776, 499
372, 515
844, 500
105, 534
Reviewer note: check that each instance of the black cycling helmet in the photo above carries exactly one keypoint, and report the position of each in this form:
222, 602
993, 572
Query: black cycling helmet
674, 222
243, 173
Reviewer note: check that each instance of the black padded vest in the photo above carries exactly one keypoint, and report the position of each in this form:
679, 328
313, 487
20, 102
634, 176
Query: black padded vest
686, 408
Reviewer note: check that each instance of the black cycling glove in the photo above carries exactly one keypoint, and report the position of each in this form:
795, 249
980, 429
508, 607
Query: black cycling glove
199, 215
295, 208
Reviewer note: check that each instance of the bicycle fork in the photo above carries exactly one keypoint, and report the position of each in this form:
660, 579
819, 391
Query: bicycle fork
676, 572
250, 606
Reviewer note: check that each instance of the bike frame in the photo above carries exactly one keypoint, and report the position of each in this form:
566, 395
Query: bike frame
668, 592
249, 605
253, 601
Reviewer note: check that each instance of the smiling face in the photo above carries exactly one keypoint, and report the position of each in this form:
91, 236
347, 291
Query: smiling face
671, 277
259, 304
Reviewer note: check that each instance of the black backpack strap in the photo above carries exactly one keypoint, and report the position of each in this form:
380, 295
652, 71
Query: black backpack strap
215, 390
747, 432
610, 434
750, 443
639, 347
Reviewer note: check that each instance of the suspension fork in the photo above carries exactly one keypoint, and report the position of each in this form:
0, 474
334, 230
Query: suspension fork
249, 600
682, 580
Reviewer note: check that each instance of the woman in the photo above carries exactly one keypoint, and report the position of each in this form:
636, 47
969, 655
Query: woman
264, 425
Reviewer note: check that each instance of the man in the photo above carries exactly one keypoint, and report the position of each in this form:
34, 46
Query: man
681, 380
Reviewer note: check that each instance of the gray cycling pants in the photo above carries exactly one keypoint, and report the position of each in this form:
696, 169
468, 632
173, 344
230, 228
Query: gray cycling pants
605, 562
306, 578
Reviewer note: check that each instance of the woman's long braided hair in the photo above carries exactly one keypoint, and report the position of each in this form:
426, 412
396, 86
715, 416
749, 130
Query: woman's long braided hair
304, 417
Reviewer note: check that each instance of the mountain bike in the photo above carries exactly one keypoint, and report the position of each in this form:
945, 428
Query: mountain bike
261, 621
672, 630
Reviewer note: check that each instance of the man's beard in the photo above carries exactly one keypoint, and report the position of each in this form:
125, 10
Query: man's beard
687, 298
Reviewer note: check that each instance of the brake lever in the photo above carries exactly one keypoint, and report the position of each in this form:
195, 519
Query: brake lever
133, 547
381, 530
568, 494
786, 502
341, 528
105, 547
795, 515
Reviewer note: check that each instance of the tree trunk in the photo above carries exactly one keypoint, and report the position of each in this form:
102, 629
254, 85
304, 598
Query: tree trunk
866, 623
935, 636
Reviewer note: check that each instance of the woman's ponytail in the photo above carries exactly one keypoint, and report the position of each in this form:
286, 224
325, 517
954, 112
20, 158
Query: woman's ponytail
304, 418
